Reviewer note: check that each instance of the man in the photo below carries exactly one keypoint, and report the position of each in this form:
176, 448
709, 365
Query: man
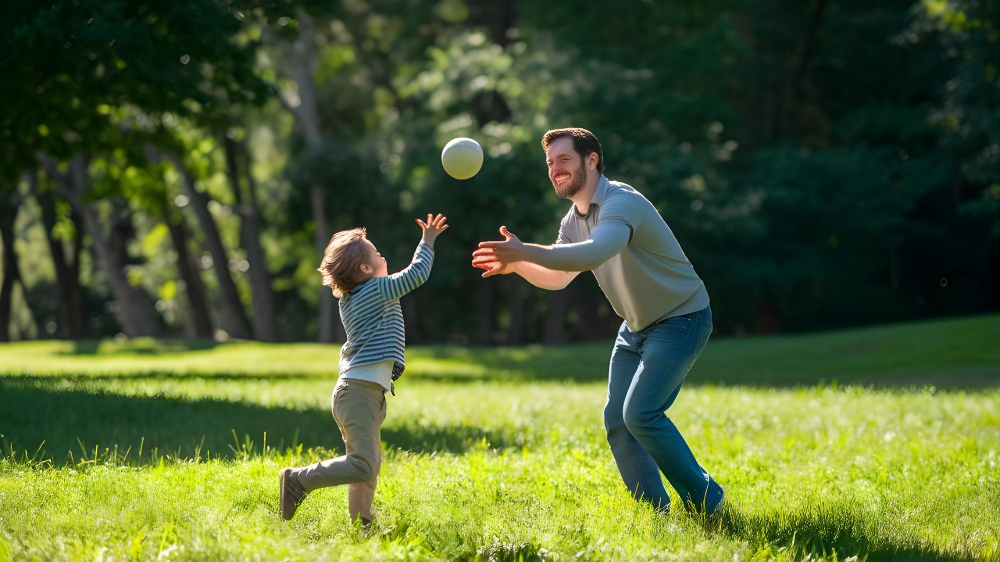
615, 232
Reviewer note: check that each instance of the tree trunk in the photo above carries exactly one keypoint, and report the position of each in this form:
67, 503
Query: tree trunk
591, 326
10, 201
554, 331
486, 314
199, 325
136, 311
300, 59
232, 315
69, 291
895, 275
796, 81
412, 326
518, 303
330, 328
992, 287
264, 319
767, 314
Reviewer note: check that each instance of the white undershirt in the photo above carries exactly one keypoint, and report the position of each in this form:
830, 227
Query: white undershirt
379, 373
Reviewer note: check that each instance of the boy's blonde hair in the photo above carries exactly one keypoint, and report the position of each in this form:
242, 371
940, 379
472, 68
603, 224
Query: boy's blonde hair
342, 260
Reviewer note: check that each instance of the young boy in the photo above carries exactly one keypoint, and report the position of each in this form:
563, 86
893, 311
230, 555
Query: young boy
370, 360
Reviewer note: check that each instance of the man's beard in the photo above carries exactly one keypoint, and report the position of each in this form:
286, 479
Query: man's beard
575, 185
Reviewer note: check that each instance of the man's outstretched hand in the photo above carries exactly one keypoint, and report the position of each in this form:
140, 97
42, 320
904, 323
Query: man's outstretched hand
498, 257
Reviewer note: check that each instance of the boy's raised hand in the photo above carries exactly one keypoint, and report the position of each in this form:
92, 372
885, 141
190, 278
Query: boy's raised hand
434, 226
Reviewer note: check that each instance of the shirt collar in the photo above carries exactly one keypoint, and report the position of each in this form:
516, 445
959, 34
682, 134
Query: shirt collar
603, 185
601, 192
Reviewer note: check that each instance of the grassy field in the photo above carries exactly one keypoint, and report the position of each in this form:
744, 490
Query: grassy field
880, 443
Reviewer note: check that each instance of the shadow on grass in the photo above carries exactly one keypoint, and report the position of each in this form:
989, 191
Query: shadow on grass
72, 422
167, 376
825, 531
141, 346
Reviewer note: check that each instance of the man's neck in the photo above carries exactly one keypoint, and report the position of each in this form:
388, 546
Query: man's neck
583, 197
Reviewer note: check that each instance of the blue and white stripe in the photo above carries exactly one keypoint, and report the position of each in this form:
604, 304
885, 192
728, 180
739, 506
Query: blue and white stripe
373, 318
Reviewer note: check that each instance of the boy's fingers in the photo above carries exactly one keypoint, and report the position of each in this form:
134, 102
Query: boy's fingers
422, 225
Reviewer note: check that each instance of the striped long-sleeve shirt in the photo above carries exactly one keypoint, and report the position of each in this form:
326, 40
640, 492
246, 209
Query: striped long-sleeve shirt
373, 318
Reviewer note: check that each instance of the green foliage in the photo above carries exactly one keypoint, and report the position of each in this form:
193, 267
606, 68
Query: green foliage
822, 164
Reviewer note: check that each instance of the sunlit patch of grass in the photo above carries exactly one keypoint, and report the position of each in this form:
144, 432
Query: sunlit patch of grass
137, 454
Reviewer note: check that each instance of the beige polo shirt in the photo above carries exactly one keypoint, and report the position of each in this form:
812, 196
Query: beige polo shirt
651, 279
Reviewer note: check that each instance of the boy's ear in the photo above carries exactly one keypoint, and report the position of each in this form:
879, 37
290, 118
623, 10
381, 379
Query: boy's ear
367, 269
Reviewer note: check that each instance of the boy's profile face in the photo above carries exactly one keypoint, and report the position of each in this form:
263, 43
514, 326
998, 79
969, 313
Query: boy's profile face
375, 265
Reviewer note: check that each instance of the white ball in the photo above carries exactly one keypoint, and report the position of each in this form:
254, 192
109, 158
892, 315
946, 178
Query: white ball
462, 158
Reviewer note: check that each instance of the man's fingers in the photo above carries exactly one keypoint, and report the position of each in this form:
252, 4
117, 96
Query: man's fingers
490, 273
490, 252
492, 244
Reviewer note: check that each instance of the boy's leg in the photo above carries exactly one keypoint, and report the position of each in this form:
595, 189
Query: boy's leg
356, 407
360, 495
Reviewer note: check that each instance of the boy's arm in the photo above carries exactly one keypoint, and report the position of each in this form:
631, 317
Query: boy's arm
394, 286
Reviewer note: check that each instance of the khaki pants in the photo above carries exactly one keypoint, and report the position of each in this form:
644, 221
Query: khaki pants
359, 409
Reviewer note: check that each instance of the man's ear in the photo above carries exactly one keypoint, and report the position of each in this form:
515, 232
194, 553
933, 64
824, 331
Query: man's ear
592, 160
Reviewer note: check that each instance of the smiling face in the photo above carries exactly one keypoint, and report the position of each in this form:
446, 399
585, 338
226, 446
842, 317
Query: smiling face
375, 265
568, 172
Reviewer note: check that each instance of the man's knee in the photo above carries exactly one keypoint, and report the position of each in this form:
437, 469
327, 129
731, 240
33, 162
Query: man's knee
613, 422
636, 417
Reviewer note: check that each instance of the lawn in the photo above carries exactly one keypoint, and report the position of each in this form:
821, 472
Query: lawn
877, 443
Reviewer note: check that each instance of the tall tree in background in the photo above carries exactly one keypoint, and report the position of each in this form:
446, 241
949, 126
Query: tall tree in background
70, 63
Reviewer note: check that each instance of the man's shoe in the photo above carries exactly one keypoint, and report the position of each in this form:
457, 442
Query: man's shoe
719, 506
292, 494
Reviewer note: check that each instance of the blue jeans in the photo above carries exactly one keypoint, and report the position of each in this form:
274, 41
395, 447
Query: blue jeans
646, 374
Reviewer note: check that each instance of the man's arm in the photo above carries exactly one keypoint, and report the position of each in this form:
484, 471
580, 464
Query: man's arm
607, 240
543, 277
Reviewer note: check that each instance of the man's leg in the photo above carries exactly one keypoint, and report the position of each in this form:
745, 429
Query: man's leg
360, 495
637, 467
668, 351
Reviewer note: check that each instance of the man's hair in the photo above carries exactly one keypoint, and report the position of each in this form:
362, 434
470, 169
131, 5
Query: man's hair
584, 143
341, 266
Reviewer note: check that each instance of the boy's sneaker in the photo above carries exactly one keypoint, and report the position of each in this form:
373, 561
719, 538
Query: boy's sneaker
292, 494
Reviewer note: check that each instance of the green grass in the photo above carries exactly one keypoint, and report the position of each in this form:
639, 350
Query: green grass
881, 443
